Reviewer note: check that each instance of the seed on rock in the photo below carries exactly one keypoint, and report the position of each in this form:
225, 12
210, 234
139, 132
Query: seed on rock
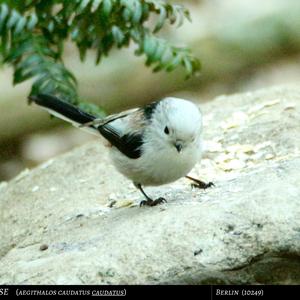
44, 247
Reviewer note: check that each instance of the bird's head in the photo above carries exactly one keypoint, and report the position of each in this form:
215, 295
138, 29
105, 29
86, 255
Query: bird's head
176, 123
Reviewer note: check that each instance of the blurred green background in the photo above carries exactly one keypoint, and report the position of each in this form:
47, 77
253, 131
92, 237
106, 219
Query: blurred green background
243, 45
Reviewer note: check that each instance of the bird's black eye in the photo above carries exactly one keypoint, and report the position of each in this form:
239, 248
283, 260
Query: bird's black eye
166, 130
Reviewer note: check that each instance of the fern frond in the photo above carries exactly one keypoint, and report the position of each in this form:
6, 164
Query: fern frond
163, 56
33, 32
32, 57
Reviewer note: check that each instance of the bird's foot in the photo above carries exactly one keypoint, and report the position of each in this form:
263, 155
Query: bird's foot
150, 202
197, 183
202, 185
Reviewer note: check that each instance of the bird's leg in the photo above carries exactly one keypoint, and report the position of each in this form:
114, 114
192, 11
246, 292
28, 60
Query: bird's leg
149, 201
199, 184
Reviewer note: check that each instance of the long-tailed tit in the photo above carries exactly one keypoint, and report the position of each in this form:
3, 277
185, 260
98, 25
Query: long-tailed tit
153, 145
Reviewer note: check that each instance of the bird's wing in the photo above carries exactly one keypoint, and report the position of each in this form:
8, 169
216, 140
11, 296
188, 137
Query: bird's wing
124, 131
128, 144
101, 121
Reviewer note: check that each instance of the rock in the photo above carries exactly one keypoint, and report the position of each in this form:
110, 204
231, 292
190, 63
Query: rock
246, 229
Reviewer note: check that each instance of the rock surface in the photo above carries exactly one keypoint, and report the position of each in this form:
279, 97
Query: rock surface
75, 220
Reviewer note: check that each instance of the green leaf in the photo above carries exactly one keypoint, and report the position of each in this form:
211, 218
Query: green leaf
17, 52
188, 66
95, 5
187, 15
22, 74
118, 35
161, 48
30, 60
83, 5
51, 26
150, 46
174, 63
161, 19
136, 17
13, 19
3, 14
158, 68
32, 21
107, 7
20, 25
98, 56
167, 56
75, 33
127, 14
82, 51
145, 11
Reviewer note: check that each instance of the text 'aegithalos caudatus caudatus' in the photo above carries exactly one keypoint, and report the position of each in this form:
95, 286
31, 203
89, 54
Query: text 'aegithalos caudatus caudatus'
153, 145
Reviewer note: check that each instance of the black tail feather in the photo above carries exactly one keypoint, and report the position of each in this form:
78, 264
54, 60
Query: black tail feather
62, 108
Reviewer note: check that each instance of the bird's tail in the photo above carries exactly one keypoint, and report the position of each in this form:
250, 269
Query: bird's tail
65, 111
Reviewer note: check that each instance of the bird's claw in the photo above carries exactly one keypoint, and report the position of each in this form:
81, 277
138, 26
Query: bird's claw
150, 202
202, 185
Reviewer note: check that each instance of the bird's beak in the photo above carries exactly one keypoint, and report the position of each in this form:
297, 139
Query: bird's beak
178, 146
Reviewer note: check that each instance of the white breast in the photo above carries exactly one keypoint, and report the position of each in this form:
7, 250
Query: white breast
157, 168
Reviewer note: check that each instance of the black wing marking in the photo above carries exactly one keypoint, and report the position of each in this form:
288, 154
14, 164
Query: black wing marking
128, 144
149, 109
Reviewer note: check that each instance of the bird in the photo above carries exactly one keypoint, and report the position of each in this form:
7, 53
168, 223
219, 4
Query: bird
152, 145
